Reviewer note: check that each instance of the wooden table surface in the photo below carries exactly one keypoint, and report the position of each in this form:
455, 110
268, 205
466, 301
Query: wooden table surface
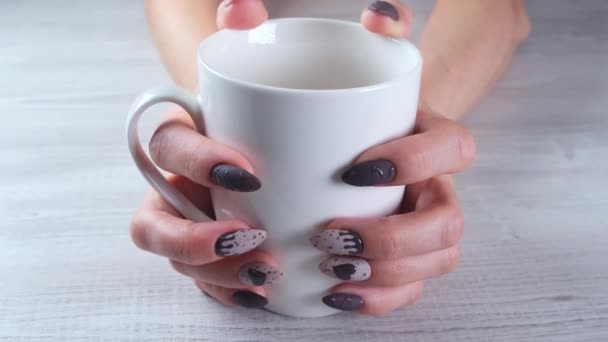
535, 251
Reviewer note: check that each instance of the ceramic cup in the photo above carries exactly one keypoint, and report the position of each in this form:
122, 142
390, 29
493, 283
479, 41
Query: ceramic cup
301, 99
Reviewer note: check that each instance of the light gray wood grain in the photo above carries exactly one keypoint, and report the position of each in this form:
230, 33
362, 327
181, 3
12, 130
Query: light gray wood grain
535, 253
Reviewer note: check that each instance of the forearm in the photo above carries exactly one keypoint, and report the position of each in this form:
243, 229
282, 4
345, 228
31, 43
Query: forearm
178, 28
467, 45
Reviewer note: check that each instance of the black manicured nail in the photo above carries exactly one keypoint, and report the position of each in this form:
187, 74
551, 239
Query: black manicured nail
371, 172
250, 300
239, 242
234, 178
385, 8
343, 301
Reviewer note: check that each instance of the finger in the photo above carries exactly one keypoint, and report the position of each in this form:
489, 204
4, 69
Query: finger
422, 195
252, 299
391, 272
252, 269
445, 148
415, 268
241, 14
176, 147
199, 195
164, 234
375, 301
439, 225
389, 18
437, 191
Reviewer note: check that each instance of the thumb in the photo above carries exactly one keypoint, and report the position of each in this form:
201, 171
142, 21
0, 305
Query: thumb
241, 14
388, 18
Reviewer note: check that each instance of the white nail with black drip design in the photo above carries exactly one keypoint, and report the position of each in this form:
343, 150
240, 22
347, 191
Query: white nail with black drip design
239, 242
338, 241
346, 268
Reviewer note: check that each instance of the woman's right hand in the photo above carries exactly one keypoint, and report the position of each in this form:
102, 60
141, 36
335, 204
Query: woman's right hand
220, 256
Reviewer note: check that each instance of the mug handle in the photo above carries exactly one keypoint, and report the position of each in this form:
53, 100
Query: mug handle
151, 173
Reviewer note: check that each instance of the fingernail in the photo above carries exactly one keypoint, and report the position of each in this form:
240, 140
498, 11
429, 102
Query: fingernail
250, 300
239, 242
372, 172
338, 241
258, 274
234, 178
346, 268
385, 8
343, 301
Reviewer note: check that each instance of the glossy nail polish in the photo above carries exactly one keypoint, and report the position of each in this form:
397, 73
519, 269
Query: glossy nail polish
234, 178
258, 274
346, 268
338, 241
250, 300
369, 173
385, 8
239, 242
343, 301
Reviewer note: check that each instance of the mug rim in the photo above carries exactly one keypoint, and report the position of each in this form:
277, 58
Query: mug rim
258, 86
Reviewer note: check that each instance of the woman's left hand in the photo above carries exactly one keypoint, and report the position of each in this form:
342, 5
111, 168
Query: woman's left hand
386, 259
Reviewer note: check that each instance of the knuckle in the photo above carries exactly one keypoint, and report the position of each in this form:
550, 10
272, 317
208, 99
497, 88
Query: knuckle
192, 163
376, 310
400, 269
202, 286
223, 277
450, 259
384, 221
186, 249
158, 143
452, 228
177, 266
139, 232
389, 245
415, 163
416, 293
465, 144
213, 291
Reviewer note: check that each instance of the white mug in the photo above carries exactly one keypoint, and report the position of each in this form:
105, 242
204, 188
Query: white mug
301, 99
